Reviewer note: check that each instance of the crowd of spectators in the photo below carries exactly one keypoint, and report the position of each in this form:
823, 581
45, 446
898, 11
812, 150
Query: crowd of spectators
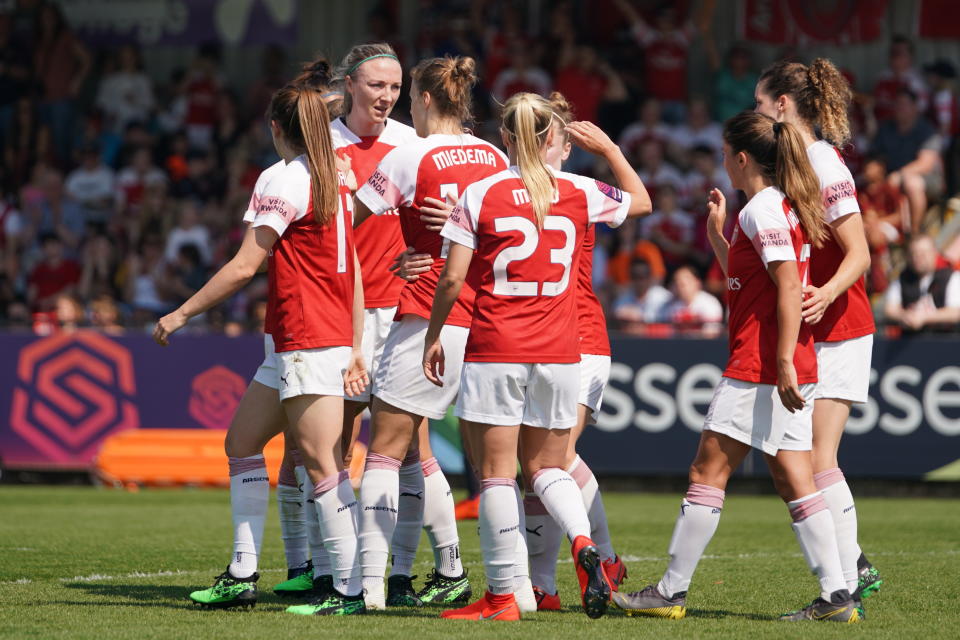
122, 191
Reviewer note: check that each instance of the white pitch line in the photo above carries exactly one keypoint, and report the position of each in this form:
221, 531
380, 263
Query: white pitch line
98, 577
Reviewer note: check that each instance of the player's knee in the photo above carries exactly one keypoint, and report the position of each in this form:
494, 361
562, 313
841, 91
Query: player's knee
235, 445
704, 473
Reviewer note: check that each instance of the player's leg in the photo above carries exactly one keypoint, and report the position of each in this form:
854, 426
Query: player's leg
392, 430
844, 379
258, 419
549, 414
499, 522
406, 535
793, 475
718, 456
448, 583
293, 525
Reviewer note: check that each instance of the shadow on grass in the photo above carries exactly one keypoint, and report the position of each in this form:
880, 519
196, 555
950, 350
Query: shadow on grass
719, 614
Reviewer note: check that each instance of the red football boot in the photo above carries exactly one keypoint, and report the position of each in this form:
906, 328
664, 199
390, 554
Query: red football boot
616, 572
489, 607
467, 509
545, 601
595, 587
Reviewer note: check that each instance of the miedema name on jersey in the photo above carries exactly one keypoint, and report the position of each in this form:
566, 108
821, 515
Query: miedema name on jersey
451, 157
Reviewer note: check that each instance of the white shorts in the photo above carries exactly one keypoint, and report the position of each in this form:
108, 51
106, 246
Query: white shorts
843, 369
312, 371
753, 414
400, 380
537, 395
376, 327
594, 374
267, 371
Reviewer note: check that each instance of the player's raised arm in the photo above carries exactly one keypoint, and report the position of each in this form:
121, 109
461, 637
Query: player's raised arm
590, 137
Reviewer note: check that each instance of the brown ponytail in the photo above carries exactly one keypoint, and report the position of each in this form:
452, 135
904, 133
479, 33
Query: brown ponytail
302, 116
778, 150
449, 81
820, 91
317, 74
527, 119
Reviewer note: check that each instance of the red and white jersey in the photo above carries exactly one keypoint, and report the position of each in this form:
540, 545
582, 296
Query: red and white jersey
378, 241
850, 315
591, 322
526, 306
263, 180
665, 59
311, 268
767, 231
438, 166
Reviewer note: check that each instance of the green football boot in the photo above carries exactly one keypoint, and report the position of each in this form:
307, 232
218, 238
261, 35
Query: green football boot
299, 582
440, 589
334, 604
868, 579
228, 592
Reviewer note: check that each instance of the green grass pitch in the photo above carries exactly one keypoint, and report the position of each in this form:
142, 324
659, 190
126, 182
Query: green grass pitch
96, 563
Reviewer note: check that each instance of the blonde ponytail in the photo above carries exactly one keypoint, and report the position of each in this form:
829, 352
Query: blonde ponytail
527, 119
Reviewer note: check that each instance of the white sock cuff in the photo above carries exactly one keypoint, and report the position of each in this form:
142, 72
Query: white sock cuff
803, 508
243, 465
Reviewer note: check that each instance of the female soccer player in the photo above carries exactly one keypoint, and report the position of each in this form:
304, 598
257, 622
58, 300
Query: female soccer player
315, 317
441, 164
836, 304
544, 533
764, 399
258, 418
520, 377
372, 79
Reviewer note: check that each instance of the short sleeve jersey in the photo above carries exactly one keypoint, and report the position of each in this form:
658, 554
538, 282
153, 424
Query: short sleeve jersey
262, 181
438, 166
378, 241
526, 305
590, 319
767, 231
850, 315
311, 267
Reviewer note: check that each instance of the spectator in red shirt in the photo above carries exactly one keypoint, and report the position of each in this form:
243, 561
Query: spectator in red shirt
203, 85
884, 213
53, 276
521, 76
666, 47
901, 74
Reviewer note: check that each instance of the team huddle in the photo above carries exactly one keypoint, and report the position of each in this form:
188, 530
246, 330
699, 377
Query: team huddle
416, 268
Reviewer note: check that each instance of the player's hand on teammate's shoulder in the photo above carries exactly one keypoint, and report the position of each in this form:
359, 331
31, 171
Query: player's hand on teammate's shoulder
345, 167
590, 137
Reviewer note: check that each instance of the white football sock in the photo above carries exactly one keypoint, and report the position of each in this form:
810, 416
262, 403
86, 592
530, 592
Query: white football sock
593, 502
318, 553
839, 500
522, 587
543, 541
814, 528
406, 536
699, 516
499, 526
249, 500
293, 527
560, 495
379, 495
336, 509
439, 520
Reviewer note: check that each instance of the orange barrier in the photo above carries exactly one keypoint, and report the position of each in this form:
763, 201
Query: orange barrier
183, 457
